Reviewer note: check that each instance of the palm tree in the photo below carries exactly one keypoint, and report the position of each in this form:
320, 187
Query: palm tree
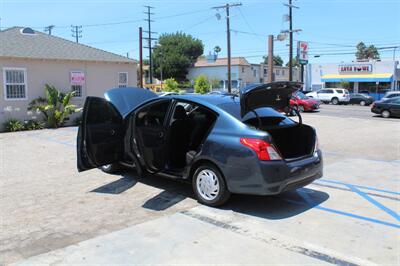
55, 106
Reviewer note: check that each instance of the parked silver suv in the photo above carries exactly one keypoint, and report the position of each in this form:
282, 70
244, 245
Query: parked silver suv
331, 95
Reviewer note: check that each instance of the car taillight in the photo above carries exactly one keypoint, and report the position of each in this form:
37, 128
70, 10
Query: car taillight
264, 150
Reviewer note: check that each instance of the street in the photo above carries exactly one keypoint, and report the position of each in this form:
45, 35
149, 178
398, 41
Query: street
51, 214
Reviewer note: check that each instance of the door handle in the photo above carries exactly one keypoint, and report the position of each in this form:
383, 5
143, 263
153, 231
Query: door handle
161, 134
112, 132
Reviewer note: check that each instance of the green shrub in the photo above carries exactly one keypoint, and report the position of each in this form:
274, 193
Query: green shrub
201, 84
56, 107
185, 84
33, 125
170, 85
13, 125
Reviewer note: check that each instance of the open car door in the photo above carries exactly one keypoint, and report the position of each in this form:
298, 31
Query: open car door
151, 134
275, 95
101, 135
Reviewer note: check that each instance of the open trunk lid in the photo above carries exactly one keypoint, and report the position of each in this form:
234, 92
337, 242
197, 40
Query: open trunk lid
275, 95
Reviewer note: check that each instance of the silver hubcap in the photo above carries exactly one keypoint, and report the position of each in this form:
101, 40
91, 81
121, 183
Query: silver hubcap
207, 184
106, 167
362, 103
385, 114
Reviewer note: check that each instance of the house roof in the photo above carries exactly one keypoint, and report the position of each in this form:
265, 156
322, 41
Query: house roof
238, 61
39, 45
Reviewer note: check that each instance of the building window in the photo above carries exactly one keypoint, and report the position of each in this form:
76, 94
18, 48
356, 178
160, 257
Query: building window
14, 83
122, 79
242, 69
277, 72
255, 73
77, 89
283, 72
265, 71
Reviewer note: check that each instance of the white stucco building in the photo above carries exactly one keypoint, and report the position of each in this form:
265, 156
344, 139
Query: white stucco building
31, 59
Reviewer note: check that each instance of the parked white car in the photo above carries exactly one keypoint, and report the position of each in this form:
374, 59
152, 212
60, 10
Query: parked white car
331, 95
390, 94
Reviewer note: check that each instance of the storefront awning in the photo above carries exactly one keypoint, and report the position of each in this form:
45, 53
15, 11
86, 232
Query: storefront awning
384, 77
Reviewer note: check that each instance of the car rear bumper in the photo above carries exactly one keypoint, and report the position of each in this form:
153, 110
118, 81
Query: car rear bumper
275, 177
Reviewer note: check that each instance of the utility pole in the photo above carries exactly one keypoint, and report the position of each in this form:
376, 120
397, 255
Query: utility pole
290, 41
49, 28
149, 40
76, 32
228, 40
270, 58
140, 58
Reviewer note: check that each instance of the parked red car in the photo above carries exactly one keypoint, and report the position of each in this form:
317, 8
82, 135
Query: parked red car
304, 103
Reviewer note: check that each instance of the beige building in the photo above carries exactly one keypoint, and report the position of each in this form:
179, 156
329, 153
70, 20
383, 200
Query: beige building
242, 72
31, 59
280, 73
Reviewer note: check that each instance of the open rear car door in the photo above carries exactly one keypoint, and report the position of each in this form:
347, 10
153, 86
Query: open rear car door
101, 135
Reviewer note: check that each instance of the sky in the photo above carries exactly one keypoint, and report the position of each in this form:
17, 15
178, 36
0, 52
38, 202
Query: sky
331, 27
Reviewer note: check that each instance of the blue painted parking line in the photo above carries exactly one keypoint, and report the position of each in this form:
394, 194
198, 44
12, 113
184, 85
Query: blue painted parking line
310, 202
374, 202
38, 136
360, 186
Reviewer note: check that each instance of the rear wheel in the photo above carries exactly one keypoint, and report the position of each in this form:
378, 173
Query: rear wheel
209, 186
110, 168
362, 103
385, 113
301, 108
335, 101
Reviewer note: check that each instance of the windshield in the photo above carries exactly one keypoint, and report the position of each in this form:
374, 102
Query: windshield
301, 95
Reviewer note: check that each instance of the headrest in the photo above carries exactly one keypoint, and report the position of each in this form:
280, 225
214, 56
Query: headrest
180, 112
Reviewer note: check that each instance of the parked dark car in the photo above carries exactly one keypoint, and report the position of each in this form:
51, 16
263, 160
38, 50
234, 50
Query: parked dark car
387, 108
361, 99
222, 144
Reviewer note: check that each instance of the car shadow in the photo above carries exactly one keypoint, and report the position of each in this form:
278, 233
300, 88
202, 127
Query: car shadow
173, 191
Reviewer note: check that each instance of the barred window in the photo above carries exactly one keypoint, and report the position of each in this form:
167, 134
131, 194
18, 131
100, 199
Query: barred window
77, 89
15, 83
122, 79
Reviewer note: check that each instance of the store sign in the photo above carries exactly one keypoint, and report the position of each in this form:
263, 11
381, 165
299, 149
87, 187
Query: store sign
77, 78
302, 52
367, 68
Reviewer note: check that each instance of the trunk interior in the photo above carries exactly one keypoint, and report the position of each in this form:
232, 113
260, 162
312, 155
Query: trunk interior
295, 141
292, 140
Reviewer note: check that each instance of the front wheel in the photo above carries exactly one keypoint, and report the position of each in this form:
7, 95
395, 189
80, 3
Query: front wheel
335, 101
209, 186
385, 114
362, 103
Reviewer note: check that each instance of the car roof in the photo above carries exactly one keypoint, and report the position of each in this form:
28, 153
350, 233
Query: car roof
215, 99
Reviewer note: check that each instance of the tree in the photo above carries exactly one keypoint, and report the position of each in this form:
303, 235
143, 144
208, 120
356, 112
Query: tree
215, 83
176, 52
201, 84
55, 107
277, 60
364, 52
217, 49
171, 85
294, 63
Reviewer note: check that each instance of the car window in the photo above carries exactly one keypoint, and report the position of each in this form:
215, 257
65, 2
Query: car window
339, 91
322, 91
153, 115
393, 95
301, 95
101, 112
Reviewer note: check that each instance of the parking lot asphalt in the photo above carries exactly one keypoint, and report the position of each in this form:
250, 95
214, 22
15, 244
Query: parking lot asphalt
51, 214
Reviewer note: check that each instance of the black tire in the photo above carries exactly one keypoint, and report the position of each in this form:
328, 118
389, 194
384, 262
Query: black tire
223, 193
363, 103
385, 113
335, 101
110, 168
301, 108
